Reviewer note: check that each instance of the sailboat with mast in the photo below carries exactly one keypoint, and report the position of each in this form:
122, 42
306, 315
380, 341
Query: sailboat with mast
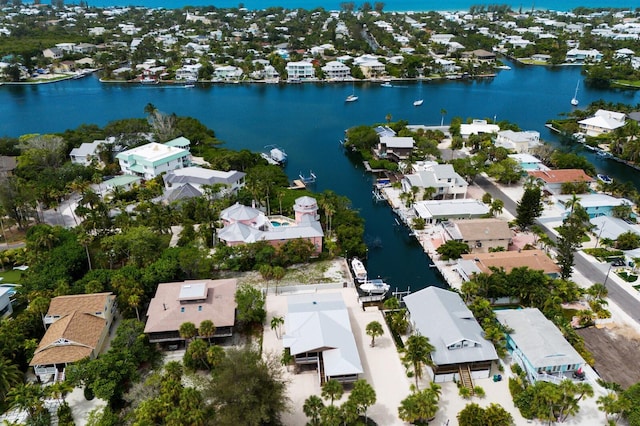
419, 101
352, 97
574, 100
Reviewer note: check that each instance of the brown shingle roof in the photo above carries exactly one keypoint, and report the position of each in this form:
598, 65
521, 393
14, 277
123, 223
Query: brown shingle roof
483, 229
166, 312
532, 259
89, 303
561, 176
81, 334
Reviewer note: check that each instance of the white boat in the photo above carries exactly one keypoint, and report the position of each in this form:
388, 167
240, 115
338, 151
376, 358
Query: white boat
574, 100
359, 271
605, 179
418, 102
375, 286
149, 80
275, 156
352, 97
386, 84
189, 86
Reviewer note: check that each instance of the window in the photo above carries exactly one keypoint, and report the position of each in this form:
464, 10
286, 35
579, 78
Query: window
182, 309
199, 307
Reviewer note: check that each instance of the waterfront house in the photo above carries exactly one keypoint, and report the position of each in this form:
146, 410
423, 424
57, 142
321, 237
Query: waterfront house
227, 73
580, 55
318, 332
478, 127
460, 347
124, 182
197, 177
335, 70
433, 211
602, 122
191, 301
394, 148
442, 177
537, 346
373, 69
552, 180
480, 234
595, 204
86, 153
483, 263
243, 224
480, 55
188, 72
77, 327
300, 71
152, 159
519, 142
6, 309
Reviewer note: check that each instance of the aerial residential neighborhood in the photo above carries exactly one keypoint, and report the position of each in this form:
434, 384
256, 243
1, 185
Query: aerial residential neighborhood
152, 274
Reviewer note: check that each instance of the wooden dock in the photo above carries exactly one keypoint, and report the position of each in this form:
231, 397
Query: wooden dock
297, 184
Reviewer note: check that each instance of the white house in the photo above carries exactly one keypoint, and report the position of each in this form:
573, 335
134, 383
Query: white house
442, 177
188, 72
227, 72
520, 142
86, 153
478, 127
528, 162
603, 121
152, 159
579, 55
300, 71
433, 211
318, 332
197, 177
335, 70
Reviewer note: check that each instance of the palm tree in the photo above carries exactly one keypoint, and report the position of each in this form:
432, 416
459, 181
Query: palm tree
332, 390
276, 325
362, 396
443, 112
215, 355
497, 207
417, 352
187, 331
312, 408
207, 329
10, 375
374, 329
420, 406
85, 239
27, 397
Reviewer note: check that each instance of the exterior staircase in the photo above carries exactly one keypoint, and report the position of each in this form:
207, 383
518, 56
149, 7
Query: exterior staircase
465, 378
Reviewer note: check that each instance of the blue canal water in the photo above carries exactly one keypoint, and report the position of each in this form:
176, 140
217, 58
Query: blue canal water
308, 120
404, 5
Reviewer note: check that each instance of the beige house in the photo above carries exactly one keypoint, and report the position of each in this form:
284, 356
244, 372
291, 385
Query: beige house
191, 301
480, 234
77, 327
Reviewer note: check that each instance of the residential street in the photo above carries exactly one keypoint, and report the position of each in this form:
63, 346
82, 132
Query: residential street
597, 272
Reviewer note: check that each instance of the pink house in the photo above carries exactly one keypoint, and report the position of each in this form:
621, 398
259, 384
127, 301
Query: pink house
243, 224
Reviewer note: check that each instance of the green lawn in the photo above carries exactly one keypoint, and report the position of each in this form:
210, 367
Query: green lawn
11, 276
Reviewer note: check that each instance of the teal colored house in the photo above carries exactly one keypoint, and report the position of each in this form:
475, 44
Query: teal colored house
536, 345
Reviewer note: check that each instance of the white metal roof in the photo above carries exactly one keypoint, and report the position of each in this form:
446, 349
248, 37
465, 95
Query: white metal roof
320, 322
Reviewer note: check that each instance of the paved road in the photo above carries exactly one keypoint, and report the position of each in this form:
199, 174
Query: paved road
595, 272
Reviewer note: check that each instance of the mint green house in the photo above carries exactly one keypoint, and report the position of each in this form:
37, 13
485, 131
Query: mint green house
153, 159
